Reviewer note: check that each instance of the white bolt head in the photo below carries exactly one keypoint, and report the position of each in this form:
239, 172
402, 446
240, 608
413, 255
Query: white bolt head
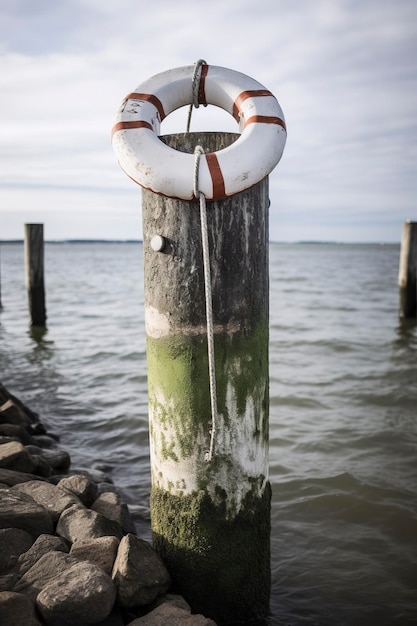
157, 243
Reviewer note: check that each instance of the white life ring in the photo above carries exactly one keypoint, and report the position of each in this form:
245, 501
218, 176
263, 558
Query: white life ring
163, 170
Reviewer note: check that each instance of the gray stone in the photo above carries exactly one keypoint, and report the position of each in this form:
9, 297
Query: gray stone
101, 551
43, 545
13, 456
18, 510
4, 439
84, 488
44, 441
112, 506
7, 581
18, 432
82, 594
17, 609
59, 460
13, 543
77, 523
53, 499
139, 573
41, 466
12, 413
11, 477
43, 572
168, 614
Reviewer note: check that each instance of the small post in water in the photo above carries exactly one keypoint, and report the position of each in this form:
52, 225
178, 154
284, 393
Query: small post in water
407, 275
34, 272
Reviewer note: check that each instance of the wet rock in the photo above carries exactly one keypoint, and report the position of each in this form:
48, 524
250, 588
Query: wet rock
43, 572
112, 506
13, 456
101, 552
169, 614
77, 523
81, 486
139, 573
41, 466
17, 609
12, 413
43, 545
53, 499
11, 477
18, 510
13, 543
82, 594
6, 395
17, 432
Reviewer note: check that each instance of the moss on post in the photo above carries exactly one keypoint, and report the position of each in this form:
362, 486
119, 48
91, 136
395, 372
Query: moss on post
222, 566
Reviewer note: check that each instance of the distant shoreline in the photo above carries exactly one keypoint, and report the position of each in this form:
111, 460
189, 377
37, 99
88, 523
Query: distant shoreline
281, 243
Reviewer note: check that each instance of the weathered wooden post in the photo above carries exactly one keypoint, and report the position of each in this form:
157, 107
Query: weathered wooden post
34, 272
407, 275
210, 496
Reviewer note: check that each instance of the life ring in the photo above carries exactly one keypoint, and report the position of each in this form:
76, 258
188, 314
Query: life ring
163, 170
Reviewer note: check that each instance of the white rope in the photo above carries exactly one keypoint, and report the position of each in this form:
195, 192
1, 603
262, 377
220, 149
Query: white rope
196, 84
209, 304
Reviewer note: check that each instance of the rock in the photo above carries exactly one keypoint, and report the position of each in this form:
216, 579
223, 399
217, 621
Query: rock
114, 619
44, 441
12, 413
111, 506
17, 609
13, 456
53, 499
82, 594
59, 460
84, 488
42, 545
43, 572
18, 432
6, 395
95, 475
77, 523
139, 573
18, 510
168, 614
101, 551
11, 477
41, 466
13, 543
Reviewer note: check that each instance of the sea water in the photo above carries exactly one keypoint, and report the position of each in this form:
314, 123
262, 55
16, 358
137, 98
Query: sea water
343, 410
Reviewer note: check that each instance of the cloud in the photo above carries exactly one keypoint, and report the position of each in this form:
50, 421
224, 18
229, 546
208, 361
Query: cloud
345, 74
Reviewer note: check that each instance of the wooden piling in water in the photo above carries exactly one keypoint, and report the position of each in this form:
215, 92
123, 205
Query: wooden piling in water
34, 272
210, 519
407, 275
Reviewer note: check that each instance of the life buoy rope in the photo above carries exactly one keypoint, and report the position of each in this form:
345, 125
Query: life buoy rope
155, 166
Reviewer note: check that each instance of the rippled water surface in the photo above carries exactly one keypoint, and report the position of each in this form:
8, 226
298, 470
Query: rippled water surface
343, 414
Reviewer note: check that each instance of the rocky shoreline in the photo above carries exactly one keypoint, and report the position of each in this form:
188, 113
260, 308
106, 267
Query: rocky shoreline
69, 550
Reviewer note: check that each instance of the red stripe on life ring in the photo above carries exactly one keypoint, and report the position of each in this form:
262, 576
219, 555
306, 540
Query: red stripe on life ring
219, 189
148, 97
202, 85
130, 125
265, 119
252, 93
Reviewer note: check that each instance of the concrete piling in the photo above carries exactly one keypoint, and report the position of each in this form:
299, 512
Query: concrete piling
210, 519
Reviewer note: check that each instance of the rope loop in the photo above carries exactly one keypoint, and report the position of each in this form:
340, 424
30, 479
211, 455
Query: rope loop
196, 84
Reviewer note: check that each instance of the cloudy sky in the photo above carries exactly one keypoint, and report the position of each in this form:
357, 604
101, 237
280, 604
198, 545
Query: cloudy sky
344, 72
